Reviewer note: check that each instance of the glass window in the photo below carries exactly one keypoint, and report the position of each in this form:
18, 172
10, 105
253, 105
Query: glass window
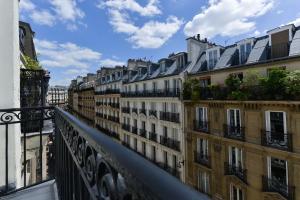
236, 157
236, 193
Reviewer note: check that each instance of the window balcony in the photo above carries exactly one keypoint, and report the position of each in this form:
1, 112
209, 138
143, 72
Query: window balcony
126, 127
201, 126
135, 110
143, 133
174, 171
115, 105
143, 111
202, 159
171, 117
126, 110
153, 136
276, 186
234, 132
174, 92
82, 162
235, 171
134, 130
281, 141
171, 143
153, 113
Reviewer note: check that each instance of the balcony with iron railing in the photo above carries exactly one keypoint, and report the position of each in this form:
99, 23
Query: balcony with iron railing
174, 92
152, 136
153, 113
234, 132
274, 185
134, 110
169, 116
126, 110
143, 133
277, 140
202, 159
169, 142
87, 164
126, 127
201, 126
237, 171
143, 111
134, 130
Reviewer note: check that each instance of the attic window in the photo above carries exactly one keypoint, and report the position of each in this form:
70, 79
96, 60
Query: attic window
245, 50
212, 58
140, 71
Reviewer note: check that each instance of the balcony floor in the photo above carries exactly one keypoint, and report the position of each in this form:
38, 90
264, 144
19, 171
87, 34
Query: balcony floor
44, 191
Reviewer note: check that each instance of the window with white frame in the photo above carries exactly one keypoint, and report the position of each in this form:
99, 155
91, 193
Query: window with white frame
165, 107
212, 58
202, 147
174, 161
144, 87
236, 193
236, 157
174, 108
154, 86
278, 171
201, 117
233, 118
276, 125
153, 154
167, 85
203, 182
175, 134
245, 50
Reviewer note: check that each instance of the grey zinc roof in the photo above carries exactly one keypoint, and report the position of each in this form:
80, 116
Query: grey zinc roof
258, 51
171, 69
295, 45
199, 64
226, 57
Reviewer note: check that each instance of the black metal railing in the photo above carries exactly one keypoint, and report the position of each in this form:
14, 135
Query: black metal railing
202, 159
153, 136
153, 113
108, 91
42, 134
277, 186
282, 141
171, 143
169, 116
134, 130
90, 165
143, 133
108, 132
126, 110
134, 110
235, 171
172, 170
126, 127
234, 132
201, 126
143, 111
174, 92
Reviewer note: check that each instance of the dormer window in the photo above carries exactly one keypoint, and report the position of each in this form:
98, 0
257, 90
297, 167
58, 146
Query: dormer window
245, 50
163, 67
212, 58
140, 71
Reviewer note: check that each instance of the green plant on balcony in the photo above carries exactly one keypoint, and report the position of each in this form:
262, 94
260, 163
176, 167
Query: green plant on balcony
234, 86
191, 89
31, 63
292, 83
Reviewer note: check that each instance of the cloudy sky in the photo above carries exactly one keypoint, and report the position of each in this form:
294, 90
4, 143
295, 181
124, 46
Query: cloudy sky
74, 37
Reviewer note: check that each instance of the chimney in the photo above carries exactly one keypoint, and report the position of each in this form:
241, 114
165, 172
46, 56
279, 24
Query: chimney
198, 37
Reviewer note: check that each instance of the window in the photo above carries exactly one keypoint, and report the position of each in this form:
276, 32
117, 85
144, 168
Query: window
154, 86
165, 107
236, 157
201, 114
203, 182
153, 154
236, 193
143, 125
153, 106
205, 82
276, 125
175, 134
174, 161
202, 147
212, 58
144, 87
173, 107
278, 171
144, 148
233, 117
165, 131
143, 105
135, 144
245, 50
153, 128
166, 158
136, 87
135, 123
167, 85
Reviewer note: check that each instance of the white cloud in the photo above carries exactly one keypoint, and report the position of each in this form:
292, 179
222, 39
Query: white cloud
152, 34
111, 63
279, 12
67, 9
65, 55
76, 72
26, 5
296, 22
43, 17
227, 17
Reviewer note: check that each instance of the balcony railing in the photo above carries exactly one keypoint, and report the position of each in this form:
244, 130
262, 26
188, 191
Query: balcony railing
143, 133
126, 127
281, 141
235, 171
115, 105
171, 117
202, 159
108, 132
171, 143
153, 113
134, 130
274, 185
108, 91
153, 93
153, 136
174, 171
201, 126
135, 110
126, 110
143, 111
234, 132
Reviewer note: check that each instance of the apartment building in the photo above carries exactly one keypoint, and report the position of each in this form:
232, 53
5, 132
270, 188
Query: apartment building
243, 133
107, 100
152, 111
57, 96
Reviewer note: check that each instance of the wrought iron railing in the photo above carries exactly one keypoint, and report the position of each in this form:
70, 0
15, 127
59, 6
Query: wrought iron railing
201, 126
282, 141
126, 127
134, 130
134, 110
42, 134
143, 133
174, 92
126, 110
169, 116
277, 186
153, 113
169, 142
236, 171
143, 111
234, 132
202, 159
152, 136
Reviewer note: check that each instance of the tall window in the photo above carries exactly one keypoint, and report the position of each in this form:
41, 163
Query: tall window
276, 125
236, 193
165, 131
165, 158
153, 154
135, 123
144, 87
143, 125
203, 182
136, 87
167, 85
212, 58
278, 172
202, 147
154, 86
153, 128
201, 118
165, 107
236, 157
233, 117
175, 134
143, 105
143, 148
174, 107
174, 162
245, 50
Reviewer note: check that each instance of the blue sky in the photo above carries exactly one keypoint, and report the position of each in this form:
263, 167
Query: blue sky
74, 37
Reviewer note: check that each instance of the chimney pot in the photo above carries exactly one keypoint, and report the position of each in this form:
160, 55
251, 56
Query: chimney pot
198, 37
